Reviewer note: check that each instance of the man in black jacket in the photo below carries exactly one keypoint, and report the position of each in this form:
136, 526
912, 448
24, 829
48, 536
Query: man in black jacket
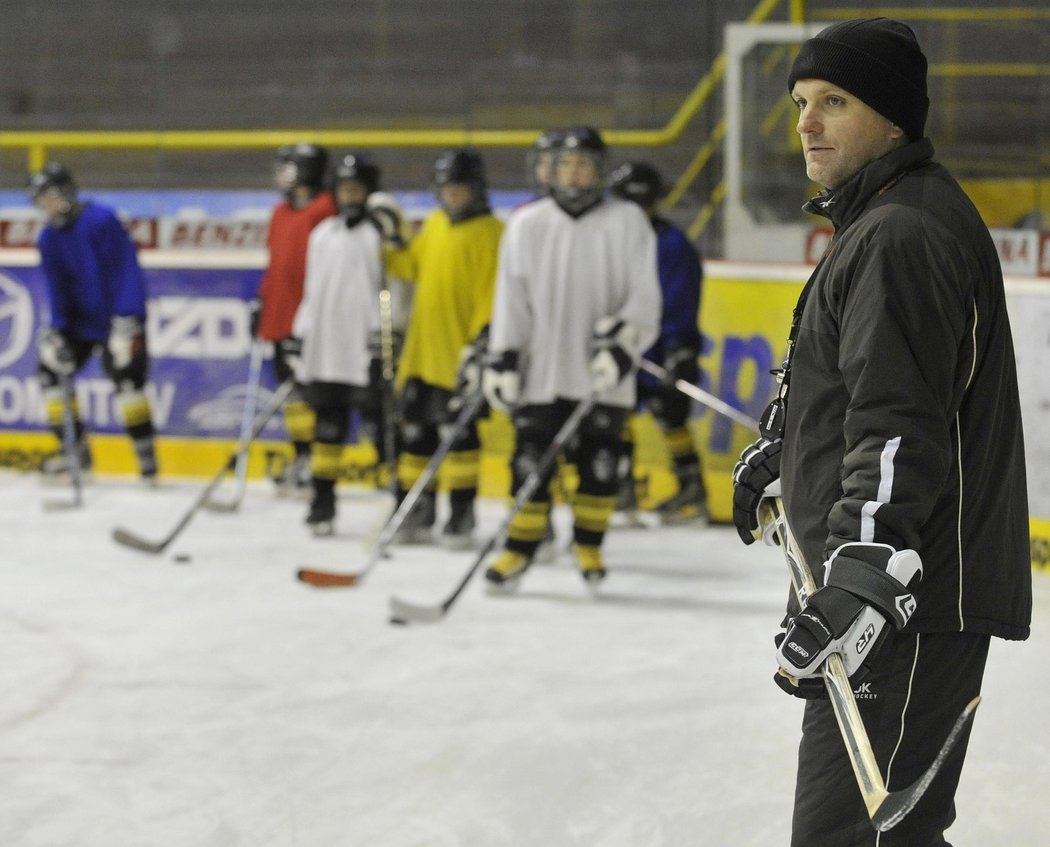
897, 438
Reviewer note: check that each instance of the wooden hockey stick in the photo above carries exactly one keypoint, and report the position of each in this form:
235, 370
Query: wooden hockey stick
885, 808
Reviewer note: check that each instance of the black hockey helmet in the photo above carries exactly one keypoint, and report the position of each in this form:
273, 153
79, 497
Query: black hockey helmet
301, 164
577, 199
549, 140
462, 165
52, 175
584, 138
540, 158
360, 166
639, 182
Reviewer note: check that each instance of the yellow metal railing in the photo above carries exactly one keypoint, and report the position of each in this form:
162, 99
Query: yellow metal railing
38, 144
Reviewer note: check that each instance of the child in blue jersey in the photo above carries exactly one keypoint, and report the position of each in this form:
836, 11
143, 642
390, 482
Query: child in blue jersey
97, 294
676, 350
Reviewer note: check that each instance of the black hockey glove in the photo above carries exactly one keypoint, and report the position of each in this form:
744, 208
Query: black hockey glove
254, 314
758, 468
55, 352
501, 381
614, 351
865, 585
292, 350
388, 218
468, 370
681, 363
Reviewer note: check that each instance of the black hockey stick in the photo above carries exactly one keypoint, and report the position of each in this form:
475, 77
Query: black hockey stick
885, 808
701, 396
402, 612
251, 396
70, 447
320, 578
131, 539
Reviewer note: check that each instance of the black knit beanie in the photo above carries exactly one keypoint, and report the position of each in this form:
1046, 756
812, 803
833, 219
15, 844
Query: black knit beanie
875, 59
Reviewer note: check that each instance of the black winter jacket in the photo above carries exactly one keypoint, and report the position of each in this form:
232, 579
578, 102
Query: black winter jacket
903, 423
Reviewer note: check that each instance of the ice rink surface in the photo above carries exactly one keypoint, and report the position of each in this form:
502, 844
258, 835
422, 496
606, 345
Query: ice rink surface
219, 703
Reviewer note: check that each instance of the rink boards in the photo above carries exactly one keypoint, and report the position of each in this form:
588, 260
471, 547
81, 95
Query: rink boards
199, 343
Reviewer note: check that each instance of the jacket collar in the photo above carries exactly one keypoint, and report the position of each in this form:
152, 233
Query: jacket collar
842, 205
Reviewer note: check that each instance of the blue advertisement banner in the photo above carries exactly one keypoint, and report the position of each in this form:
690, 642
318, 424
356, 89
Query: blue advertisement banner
198, 337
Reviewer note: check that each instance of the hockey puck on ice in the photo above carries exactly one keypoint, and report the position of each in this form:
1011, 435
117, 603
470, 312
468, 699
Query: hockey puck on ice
398, 621
182, 558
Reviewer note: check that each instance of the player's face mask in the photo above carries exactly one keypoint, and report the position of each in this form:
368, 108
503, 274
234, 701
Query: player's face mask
577, 185
350, 196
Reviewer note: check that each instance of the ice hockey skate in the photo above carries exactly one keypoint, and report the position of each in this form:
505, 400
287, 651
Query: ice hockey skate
146, 454
626, 514
458, 532
589, 561
418, 526
504, 574
293, 479
56, 470
547, 552
688, 506
321, 518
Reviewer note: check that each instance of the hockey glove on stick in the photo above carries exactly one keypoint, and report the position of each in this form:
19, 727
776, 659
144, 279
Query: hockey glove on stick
468, 370
292, 350
758, 468
388, 218
55, 353
614, 350
500, 380
254, 315
681, 363
127, 339
865, 586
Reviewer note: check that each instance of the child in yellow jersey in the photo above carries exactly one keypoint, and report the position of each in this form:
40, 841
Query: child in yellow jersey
452, 262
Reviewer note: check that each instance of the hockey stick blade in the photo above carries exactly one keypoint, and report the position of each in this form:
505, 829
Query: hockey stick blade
404, 612
223, 507
137, 542
897, 804
326, 579
62, 505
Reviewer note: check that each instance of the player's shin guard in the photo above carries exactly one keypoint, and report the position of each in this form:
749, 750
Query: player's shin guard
528, 527
690, 502
54, 409
300, 421
135, 410
325, 460
416, 527
461, 469
526, 531
591, 514
410, 467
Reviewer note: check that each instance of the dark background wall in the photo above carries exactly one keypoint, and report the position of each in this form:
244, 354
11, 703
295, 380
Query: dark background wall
419, 64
